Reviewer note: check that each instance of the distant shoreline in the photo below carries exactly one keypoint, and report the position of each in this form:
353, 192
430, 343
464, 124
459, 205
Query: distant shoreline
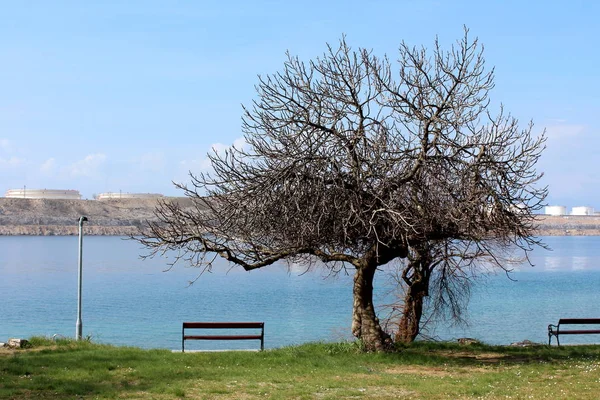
125, 217
568, 225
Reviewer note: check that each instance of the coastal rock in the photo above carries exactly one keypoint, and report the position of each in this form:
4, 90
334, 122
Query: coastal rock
17, 343
467, 341
525, 343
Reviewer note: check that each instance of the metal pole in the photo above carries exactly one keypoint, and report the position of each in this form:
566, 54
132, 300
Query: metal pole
78, 325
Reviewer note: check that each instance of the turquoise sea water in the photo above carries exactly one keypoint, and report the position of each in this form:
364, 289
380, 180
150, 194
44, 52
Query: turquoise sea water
127, 301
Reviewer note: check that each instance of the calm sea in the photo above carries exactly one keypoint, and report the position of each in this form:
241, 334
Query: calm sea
127, 301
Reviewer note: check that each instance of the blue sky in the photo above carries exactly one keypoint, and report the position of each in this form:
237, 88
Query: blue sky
129, 95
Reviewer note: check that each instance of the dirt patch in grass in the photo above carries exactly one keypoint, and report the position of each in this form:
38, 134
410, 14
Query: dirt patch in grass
490, 358
433, 371
417, 370
5, 351
485, 357
368, 391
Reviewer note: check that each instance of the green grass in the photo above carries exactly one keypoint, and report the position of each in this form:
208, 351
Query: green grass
82, 370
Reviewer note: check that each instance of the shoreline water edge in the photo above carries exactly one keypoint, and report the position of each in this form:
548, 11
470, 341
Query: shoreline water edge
125, 217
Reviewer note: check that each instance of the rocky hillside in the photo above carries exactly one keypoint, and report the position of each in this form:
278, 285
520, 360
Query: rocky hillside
569, 225
60, 217
125, 216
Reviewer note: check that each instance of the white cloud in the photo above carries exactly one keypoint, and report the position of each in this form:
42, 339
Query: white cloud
8, 160
191, 165
48, 166
204, 164
564, 131
240, 143
11, 162
5, 145
573, 187
564, 142
220, 148
153, 162
87, 167
569, 164
195, 166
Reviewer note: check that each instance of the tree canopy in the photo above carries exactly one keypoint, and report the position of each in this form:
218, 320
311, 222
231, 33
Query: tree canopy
354, 161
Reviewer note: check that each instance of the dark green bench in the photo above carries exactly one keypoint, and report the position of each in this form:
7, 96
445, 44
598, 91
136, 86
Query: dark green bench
223, 325
556, 330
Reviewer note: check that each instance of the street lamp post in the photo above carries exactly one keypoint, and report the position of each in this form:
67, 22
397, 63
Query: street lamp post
78, 325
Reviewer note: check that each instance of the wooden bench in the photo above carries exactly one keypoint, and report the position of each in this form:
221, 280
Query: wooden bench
555, 330
223, 325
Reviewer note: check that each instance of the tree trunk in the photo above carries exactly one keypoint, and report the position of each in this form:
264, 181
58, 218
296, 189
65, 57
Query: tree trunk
408, 328
365, 325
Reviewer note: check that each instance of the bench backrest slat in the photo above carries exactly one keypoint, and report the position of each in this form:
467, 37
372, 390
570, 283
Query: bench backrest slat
222, 325
578, 321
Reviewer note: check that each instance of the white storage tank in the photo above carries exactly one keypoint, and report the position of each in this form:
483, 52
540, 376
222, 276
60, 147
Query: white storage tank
119, 195
43, 194
556, 210
583, 210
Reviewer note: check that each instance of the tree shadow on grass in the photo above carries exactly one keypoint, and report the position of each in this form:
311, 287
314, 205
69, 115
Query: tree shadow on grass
479, 354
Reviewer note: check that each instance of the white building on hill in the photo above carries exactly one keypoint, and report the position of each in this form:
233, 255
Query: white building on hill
555, 210
582, 210
42, 194
119, 195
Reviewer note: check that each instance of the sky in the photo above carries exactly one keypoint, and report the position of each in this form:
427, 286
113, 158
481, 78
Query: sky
109, 96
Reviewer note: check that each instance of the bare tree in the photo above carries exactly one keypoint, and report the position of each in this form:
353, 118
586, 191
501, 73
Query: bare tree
354, 164
446, 272
473, 210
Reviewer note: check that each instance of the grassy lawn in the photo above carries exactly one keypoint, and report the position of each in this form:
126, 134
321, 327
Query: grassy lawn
83, 370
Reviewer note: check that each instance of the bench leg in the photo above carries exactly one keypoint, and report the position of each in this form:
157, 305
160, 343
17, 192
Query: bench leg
550, 339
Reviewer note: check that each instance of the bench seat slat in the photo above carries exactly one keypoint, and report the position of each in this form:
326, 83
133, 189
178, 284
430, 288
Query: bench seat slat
577, 331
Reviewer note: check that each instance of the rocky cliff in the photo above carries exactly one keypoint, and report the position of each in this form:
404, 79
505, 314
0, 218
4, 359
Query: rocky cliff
121, 217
